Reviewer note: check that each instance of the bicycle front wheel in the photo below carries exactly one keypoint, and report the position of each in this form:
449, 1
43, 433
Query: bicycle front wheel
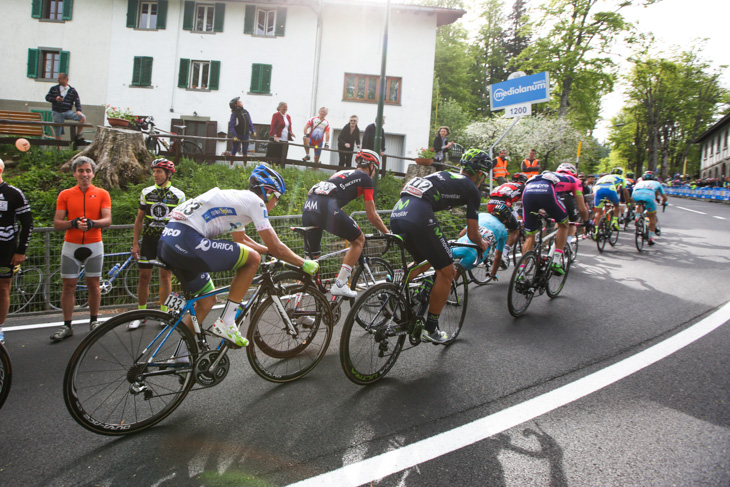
521, 285
190, 149
55, 286
6, 374
373, 271
122, 381
572, 248
26, 285
480, 273
556, 282
280, 354
452, 316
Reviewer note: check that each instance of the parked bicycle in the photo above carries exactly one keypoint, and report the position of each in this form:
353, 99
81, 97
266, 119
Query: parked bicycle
26, 285
6, 374
157, 144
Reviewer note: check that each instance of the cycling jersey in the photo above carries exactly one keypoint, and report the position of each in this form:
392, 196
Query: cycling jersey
492, 230
645, 192
507, 193
568, 184
612, 181
345, 186
87, 204
319, 127
540, 194
444, 190
14, 209
156, 202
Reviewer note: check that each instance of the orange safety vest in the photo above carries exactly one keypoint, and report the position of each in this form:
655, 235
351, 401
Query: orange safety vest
526, 164
500, 168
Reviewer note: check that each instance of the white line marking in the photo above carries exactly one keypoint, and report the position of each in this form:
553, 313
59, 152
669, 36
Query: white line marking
720, 217
422, 451
693, 211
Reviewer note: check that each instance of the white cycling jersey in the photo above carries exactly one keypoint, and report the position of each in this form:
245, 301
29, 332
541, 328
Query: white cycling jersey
221, 211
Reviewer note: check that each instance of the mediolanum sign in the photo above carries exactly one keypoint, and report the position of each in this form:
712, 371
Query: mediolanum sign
519, 91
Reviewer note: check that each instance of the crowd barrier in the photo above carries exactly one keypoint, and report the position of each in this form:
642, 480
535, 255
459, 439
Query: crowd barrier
716, 194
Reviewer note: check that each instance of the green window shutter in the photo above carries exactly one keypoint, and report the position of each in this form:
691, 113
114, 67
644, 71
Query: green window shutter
162, 14
68, 7
33, 62
215, 74
184, 75
255, 78
266, 78
132, 6
250, 19
36, 9
145, 77
280, 21
136, 70
218, 17
64, 62
188, 16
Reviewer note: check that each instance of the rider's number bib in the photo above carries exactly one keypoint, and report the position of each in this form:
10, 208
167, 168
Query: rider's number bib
417, 187
487, 235
324, 187
175, 303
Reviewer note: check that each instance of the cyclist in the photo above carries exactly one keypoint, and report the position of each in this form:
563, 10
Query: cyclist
573, 200
626, 208
541, 193
323, 209
14, 241
189, 244
413, 217
493, 229
508, 194
607, 188
646, 192
155, 204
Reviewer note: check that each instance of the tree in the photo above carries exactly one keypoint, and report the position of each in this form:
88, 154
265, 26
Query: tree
517, 36
488, 51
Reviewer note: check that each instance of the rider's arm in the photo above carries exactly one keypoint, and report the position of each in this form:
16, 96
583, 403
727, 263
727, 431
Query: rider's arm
374, 217
138, 224
627, 196
241, 237
496, 263
278, 249
462, 232
472, 231
582, 208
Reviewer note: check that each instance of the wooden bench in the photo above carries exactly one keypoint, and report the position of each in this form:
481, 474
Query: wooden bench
13, 129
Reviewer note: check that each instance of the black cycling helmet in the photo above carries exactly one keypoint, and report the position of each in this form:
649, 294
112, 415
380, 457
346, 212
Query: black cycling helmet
618, 170
234, 102
475, 160
519, 178
630, 174
502, 213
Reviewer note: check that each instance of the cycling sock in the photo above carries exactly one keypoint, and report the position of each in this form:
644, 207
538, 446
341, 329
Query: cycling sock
432, 322
229, 312
558, 251
651, 234
67, 323
141, 306
93, 318
344, 274
164, 308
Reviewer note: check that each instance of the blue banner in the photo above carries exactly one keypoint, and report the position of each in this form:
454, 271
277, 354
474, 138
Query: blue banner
716, 194
527, 89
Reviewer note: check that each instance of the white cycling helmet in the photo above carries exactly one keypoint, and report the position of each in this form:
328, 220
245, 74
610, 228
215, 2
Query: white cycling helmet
567, 167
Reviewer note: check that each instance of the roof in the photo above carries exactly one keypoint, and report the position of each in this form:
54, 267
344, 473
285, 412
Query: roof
716, 127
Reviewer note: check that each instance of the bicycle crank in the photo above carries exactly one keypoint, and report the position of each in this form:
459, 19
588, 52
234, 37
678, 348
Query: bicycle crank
204, 375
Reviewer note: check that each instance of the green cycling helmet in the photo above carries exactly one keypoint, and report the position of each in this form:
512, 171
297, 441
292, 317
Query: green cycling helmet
475, 160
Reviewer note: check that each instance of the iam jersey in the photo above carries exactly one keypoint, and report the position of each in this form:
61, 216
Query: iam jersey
157, 203
221, 211
506, 193
444, 190
346, 186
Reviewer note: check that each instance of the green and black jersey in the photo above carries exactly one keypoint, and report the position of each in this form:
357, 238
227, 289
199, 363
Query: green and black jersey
157, 202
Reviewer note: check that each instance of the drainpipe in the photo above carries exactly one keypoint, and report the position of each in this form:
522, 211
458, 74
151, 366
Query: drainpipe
317, 58
177, 56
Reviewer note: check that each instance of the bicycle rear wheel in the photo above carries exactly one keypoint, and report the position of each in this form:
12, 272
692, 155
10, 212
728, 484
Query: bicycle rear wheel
452, 316
639, 234
276, 353
6, 374
612, 236
369, 345
601, 235
556, 282
521, 285
55, 286
373, 271
122, 381
190, 149
26, 285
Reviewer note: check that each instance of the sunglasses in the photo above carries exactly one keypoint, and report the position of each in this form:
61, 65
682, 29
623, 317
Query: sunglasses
353, 121
277, 194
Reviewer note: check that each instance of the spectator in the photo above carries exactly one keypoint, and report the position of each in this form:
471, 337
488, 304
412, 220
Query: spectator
240, 127
531, 165
155, 204
317, 132
441, 144
280, 133
82, 211
368, 139
500, 172
62, 98
14, 209
348, 140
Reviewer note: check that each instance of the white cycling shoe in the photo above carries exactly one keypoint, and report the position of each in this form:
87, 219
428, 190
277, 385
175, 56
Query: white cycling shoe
229, 333
339, 289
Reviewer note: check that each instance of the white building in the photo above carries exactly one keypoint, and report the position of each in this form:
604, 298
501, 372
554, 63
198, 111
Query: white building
184, 60
715, 158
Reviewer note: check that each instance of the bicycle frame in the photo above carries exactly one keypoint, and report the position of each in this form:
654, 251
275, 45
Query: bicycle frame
81, 285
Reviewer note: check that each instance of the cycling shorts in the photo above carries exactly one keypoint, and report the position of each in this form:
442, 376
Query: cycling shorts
71, 263
647, 197
605, 193
191, 256
317, 144
148, 250
570, 206
416, 222
7, 250
468, 257
547, 200
322, 211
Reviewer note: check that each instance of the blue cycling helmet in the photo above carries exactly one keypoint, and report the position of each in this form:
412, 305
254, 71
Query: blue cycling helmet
266, 179
649, 176
475, 160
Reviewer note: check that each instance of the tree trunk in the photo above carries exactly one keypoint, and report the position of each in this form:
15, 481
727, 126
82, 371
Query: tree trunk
120, 155
418, 171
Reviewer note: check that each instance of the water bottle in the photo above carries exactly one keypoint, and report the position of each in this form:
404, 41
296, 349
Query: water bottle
114, 269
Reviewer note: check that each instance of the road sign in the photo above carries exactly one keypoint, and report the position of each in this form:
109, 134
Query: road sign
520, 91
513, 111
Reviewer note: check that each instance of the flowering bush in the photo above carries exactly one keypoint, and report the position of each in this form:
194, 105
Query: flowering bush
124, 113
426, 153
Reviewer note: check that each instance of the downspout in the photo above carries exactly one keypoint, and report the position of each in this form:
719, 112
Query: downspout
177, 56
317, 60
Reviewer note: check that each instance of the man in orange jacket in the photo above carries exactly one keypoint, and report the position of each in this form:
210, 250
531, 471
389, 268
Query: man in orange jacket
531, 165
500, 172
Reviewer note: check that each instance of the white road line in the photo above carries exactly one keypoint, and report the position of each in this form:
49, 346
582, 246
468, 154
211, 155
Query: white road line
720, 217
422, 451
693, 211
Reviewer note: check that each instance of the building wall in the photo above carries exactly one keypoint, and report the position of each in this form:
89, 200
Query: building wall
716, 153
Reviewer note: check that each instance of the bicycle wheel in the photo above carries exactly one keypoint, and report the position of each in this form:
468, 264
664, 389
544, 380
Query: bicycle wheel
452, 316
612, 236
122, 381
373, 271
601, 236
480, 273
190, 149
131, 282
153, 145
55, 286
6, 374
280, 355
556, 282
370, 343
521, 285
517, 248
26, 284
639, 234
572, 248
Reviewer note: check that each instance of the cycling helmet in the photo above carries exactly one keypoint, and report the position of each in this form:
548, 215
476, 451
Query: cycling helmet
519, 178
502, 213
266, 179
234, 102
630, 175
567, 167
366, 156
165, 164
475, 160
581, 175
649, 175
618, 170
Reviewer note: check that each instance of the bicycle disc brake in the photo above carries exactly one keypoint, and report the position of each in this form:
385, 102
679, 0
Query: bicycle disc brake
206, 377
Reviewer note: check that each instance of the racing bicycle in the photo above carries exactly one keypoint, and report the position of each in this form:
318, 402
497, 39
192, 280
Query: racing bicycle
606, 232
26, 285
6, 374
156, 144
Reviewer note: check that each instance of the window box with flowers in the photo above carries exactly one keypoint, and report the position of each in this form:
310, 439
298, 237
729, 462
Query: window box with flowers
425, 157
119, 117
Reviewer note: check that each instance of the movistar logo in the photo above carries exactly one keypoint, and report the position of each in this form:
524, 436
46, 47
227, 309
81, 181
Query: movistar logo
401, 205
438, 232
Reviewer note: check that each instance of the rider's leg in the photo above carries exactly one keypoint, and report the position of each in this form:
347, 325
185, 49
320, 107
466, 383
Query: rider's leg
439, 295
165, 287
350, 259
143, 287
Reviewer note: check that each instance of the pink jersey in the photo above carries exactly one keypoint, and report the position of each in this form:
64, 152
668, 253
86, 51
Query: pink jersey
569, 184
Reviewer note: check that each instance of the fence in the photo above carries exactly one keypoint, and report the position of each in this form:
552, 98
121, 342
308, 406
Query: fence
715, 194
75, 139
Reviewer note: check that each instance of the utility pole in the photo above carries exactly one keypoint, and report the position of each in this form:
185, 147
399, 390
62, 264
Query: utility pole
381, 94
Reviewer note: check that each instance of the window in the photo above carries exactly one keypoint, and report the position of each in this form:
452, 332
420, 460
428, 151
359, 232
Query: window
361, 87
142, 71
204, 17
148, 15
199, 75
47, 63
261, 78
264, 21
58, 10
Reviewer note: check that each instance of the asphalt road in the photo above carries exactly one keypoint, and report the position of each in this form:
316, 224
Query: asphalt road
666, 424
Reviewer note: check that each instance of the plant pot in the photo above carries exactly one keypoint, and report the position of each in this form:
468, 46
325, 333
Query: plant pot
118, 122
423, 162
